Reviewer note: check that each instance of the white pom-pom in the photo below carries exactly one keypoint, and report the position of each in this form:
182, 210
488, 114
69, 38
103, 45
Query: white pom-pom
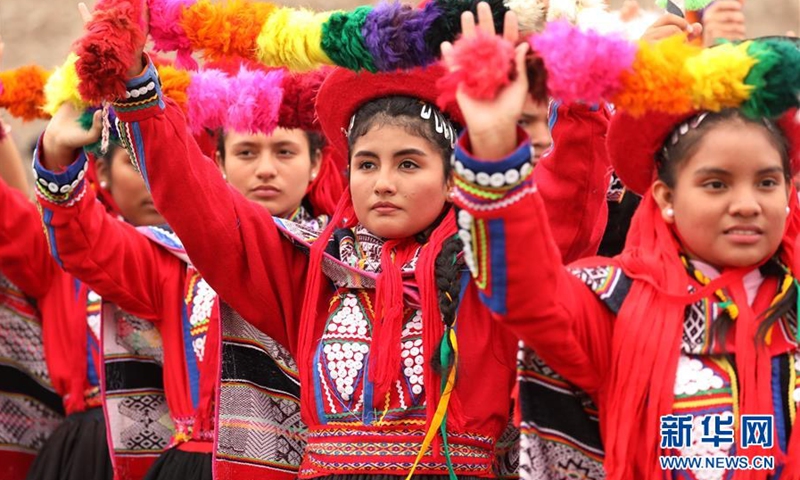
562, 10
530, 14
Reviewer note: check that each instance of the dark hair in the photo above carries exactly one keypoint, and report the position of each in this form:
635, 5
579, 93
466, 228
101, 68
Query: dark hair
404, 112
447, 275
674, 154
316, 142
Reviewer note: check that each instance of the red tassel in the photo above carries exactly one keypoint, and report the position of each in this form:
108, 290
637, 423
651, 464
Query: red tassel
106, 51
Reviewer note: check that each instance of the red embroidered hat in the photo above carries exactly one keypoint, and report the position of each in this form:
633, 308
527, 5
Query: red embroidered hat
345, 91
634, 142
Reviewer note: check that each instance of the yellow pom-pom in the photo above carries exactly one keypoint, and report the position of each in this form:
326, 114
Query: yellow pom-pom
658, 80
62, 87
174, 84
719, 75
291, 38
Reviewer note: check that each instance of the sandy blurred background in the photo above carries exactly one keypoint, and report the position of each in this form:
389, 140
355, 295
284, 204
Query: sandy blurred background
41, 31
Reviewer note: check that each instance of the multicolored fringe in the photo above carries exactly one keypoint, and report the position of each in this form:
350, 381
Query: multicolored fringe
760, 76
247, 98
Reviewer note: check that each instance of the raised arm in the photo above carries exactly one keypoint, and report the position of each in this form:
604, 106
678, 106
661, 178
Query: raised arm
573, 178
518, 270
233, 242
107, 254
24, 254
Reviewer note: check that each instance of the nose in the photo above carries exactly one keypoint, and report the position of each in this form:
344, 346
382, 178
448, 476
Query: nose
266, 167
540, 139
385, 182
745, 203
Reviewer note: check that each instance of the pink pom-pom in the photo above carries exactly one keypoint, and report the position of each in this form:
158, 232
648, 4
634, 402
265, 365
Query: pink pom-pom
254, 101
582, 65
208, 100
167, 33
482, 65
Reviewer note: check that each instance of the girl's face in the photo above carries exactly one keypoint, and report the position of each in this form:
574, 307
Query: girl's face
271, 170
730, 197
396, 181
128, 190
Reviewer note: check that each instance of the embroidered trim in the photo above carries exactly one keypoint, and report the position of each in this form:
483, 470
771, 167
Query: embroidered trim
60, 188
142, 92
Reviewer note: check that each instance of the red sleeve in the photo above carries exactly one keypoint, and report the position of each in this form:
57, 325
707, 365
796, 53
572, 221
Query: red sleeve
517, 267
573, 178
110, 256
232, 241
24, 254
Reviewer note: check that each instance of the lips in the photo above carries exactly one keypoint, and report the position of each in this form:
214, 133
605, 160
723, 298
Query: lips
385, 207
744, 230
265, 191
744, 234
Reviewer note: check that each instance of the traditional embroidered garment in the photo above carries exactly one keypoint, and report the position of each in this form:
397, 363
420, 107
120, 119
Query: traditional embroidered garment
263, 276
173, 323
49, 351
170, 319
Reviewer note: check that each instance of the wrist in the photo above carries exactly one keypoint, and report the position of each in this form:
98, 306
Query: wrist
493, 143
137, 66
55, 155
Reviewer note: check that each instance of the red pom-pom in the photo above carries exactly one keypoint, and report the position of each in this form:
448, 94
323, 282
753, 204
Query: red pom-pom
106, 51
482, 65
299, 98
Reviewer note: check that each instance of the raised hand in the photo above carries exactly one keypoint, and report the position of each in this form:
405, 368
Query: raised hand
723, 20
668, 25
492, 124
64, 135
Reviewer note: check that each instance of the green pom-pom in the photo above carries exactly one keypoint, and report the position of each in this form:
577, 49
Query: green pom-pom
688, 5
775, 78
693, 5
343, 43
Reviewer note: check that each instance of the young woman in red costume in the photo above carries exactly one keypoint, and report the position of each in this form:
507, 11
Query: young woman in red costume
148, 274
367, 304
697, 316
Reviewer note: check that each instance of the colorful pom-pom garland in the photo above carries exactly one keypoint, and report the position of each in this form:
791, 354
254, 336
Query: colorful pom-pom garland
672, 76
383, 37
236, 96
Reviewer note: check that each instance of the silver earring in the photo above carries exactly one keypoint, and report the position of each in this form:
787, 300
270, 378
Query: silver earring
669, 212
103, 184
313, 176
788, 211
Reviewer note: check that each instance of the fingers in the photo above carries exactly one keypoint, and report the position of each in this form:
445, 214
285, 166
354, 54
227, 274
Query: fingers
447, 54
511, 27
97, 125
520, 51
86, 15
467, 24
485, 19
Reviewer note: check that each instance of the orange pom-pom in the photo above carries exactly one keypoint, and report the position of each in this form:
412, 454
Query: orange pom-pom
174, 84
225, 29
23, 92
658, 80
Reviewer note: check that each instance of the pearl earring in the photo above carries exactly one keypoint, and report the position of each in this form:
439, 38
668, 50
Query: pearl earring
103, 184
669, 212
788, 211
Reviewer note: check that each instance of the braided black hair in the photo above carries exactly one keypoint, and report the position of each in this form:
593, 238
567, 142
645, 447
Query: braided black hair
447, 274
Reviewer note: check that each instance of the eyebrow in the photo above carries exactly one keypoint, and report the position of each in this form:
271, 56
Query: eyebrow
405, 151
245, 143
722, 171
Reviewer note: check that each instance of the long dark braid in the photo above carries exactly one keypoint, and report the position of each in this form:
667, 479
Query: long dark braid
447, 275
